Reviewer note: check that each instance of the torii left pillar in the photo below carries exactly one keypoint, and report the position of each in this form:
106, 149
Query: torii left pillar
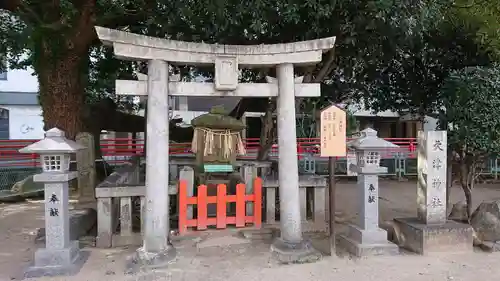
157, 251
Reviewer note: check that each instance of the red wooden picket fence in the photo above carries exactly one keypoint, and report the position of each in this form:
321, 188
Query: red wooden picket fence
222, 220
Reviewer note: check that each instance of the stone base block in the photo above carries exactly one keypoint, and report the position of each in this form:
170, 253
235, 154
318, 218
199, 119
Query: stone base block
286, 253
49, 262
424, 239
367, 249
57, 257
143, 261
372, 236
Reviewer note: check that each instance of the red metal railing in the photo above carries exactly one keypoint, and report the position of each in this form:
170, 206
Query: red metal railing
117, 150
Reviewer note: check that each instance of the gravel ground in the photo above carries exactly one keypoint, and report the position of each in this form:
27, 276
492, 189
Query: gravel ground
253, 262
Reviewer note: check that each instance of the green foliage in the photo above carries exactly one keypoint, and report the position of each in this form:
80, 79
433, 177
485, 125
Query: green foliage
485, 15
472, 103
366, 31
412, 78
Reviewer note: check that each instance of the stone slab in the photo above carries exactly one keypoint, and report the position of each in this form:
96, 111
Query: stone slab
72, 269
367, 249
224, 241
259, 234
424, 239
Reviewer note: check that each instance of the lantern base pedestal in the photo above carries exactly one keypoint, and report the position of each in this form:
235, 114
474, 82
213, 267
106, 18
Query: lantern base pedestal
286, 253
362, 243
424, 239
57, 262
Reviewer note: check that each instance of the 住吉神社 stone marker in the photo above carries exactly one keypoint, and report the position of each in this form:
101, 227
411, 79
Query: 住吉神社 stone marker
227, 60
430, 231
366, 237
60, 255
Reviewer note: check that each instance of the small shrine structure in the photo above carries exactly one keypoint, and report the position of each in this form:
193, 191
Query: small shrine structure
217, 141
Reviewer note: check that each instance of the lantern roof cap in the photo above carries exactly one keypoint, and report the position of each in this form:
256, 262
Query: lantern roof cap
370, 140
55, 141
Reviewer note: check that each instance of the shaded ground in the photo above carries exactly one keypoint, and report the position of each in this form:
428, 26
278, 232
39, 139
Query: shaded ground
244, 263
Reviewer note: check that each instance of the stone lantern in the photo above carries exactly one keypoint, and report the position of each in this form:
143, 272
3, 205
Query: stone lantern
60, 255
366, 237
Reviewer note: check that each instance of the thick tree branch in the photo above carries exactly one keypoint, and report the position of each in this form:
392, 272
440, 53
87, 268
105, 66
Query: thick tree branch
326, 68
84, 33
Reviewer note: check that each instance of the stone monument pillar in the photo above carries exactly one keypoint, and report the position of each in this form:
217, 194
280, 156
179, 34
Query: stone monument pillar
431, 231
60, 255
366, 237
157, 249
431, 183
290, 247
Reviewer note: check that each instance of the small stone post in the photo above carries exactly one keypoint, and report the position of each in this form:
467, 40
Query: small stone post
60, 255
249, 175
366, 237
85, 163
187, 174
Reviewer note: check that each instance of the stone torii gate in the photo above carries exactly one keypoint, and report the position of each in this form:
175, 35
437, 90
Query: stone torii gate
227, 60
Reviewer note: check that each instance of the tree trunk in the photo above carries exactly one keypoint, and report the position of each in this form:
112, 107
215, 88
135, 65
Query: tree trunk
268, 132
466, 186
62, 94
449, 180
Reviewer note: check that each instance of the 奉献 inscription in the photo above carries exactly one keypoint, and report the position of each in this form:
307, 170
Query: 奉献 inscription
53, 198
54, 212
371, 193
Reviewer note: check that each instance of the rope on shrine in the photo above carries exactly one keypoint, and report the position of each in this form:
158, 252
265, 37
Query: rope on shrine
227, 141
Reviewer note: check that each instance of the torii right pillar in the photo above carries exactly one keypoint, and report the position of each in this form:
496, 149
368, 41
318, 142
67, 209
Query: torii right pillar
431, 232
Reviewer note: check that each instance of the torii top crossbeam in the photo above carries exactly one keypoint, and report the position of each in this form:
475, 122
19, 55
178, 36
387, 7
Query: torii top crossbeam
140, 47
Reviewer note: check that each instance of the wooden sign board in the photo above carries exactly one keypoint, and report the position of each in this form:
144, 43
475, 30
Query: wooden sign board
333, 131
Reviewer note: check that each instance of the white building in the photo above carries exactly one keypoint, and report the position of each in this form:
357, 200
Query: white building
20, 112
